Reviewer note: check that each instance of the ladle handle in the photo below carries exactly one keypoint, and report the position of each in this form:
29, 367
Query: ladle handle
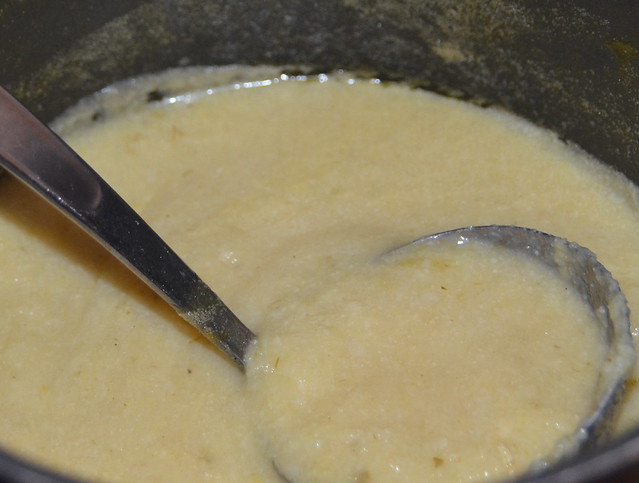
36, 155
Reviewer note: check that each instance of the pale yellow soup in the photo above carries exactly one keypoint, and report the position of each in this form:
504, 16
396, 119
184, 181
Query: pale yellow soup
454, 365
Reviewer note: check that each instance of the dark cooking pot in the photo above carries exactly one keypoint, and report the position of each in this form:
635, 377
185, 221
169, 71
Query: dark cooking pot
570, 66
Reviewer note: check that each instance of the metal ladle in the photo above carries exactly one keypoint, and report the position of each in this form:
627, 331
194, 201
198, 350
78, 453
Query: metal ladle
578, 268
33, 153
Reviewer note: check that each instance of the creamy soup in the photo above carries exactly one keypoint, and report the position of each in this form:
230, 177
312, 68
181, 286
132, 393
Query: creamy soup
283, 194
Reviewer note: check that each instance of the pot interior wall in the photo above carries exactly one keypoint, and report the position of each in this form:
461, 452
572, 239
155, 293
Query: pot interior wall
573, 69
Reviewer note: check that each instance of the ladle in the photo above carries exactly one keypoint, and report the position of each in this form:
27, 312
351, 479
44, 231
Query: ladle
578, 268
36, 155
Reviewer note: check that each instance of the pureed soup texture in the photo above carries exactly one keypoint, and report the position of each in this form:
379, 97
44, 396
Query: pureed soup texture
284, 194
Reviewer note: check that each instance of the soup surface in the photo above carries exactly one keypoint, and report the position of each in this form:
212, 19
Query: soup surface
283, 194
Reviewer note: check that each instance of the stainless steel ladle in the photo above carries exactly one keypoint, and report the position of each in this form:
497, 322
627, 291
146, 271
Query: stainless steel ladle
33, 153
578, 268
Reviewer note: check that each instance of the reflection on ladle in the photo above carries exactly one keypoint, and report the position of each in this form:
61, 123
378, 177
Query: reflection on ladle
44, 162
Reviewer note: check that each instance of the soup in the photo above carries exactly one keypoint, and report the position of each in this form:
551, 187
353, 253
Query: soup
283, 193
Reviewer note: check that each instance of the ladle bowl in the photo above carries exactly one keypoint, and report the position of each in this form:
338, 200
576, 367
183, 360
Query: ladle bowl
579, 270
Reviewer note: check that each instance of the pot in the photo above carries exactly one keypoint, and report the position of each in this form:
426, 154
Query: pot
571, 68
